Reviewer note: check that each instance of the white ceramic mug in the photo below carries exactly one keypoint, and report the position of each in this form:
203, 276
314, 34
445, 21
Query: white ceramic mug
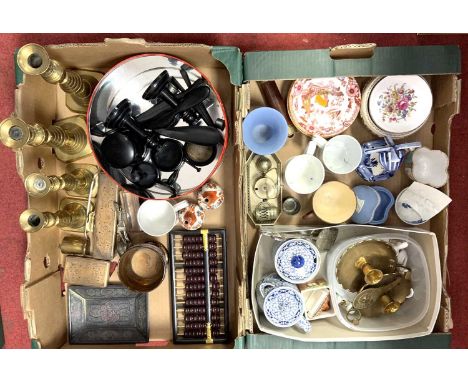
341, 154
305, 173
158, 217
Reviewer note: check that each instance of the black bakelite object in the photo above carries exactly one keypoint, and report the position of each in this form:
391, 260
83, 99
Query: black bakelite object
201, 135
121, 149
144, 175
198, 155
168, 156
192, 98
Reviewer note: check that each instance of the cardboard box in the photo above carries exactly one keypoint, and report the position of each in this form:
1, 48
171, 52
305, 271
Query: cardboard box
234, 77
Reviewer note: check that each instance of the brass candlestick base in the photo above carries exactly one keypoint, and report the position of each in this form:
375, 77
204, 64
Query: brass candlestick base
67, 137
78, 181
72, 216
372, 276
34, 60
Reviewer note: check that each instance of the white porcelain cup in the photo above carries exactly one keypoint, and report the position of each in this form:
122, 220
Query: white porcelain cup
341, 154
305, 173
158, 217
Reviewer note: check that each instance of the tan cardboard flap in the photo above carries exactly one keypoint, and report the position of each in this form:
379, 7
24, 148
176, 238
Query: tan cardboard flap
44, 308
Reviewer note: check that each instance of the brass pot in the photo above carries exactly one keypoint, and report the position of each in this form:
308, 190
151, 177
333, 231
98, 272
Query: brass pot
142, 267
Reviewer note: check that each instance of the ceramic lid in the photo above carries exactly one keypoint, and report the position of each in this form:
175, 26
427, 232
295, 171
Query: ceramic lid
297, 261
283, 307
334, 202
324, 106
400, 104
367, 201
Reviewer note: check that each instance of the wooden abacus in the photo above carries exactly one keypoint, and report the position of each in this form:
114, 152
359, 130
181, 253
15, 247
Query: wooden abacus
189, 290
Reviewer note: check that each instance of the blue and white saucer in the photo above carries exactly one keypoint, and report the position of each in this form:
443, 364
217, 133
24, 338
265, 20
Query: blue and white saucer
297, 261
283, 307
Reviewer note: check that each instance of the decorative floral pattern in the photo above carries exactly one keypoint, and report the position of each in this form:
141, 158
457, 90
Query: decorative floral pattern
397, 103
283, 307
297, 261
192, 217
211, 196
324, 106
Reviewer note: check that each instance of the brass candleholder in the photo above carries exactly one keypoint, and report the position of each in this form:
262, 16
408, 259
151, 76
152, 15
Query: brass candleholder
72, 216
372, 276
78, 182
34, 60
390, 306
67, 137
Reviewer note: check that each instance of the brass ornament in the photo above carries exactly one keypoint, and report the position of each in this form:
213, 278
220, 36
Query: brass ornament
78, 182
34, 60
369, 296
72, 245
67, 137
71, 216
372, 276
378, 255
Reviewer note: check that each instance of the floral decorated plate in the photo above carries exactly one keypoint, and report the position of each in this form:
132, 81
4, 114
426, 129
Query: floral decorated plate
283, 307
324, 106
297, 261
400, 104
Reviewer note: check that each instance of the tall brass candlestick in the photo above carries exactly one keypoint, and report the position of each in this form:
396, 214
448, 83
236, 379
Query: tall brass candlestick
67, 137
72, 215
78, 181
34, 60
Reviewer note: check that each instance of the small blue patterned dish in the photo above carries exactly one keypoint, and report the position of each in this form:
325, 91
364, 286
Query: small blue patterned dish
368, 200
297, 261
283, 307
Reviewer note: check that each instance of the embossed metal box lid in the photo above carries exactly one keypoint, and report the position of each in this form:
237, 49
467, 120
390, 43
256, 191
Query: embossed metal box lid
107, 315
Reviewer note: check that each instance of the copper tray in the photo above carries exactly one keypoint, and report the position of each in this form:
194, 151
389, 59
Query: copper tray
107, 315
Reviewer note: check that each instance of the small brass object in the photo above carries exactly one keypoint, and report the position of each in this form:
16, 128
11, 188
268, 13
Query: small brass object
372, 276
369, 296
78, 181
390, 306
86, 271
34, 60
72, 215
67, 137
377, 253
72, 245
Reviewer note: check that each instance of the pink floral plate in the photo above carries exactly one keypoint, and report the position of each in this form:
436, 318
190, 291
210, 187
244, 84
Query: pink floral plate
400, 104
324, 106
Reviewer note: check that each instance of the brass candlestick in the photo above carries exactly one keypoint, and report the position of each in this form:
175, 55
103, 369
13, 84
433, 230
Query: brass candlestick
372, 276
67, 137
72, 215
34, 60
78, 181
390, 306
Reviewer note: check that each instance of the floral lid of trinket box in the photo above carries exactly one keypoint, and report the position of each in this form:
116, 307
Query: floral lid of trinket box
396, 105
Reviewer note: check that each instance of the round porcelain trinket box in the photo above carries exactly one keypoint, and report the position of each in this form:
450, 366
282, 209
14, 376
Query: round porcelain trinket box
396, 106
324, 106
297, 261
210, 196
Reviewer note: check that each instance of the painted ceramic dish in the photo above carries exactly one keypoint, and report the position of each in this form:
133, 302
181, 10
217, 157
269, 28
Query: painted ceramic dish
297, 261
211, 196
334, 202
324, 106
283, 307
398, 105
191, 217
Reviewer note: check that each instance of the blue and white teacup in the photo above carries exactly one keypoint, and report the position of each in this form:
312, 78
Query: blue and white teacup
281, 302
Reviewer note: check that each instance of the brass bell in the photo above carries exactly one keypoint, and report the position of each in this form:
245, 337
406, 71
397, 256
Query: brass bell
67, 137
34, 60
78, 181
372, 276
72, 215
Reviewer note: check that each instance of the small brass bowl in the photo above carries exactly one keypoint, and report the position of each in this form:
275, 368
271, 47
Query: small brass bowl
142, 267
